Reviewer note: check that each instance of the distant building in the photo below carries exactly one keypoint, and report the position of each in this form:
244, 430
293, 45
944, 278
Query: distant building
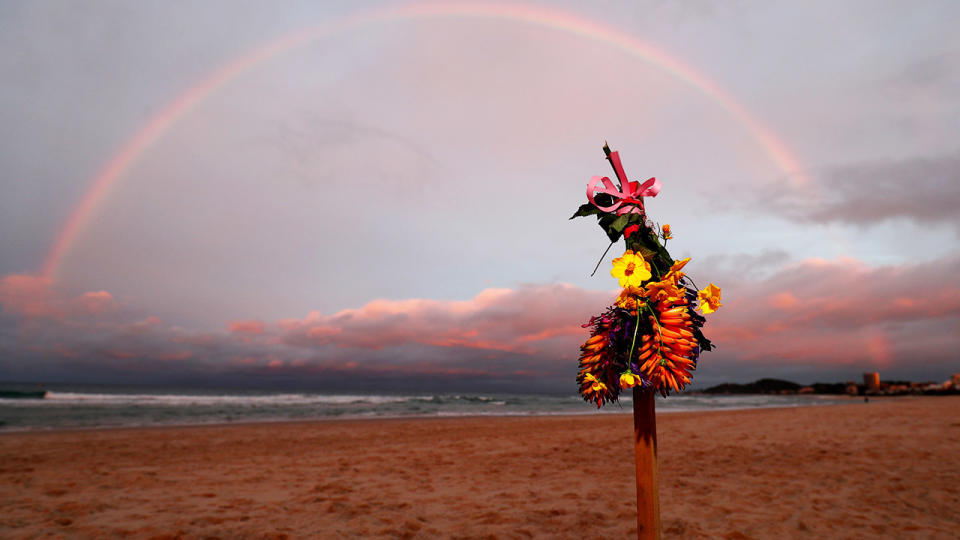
852, 389
872, 381
955, 378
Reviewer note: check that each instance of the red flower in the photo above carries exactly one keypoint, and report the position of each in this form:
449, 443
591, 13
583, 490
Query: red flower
630, 230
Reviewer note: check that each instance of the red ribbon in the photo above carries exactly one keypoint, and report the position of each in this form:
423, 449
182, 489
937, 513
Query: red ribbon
629, 197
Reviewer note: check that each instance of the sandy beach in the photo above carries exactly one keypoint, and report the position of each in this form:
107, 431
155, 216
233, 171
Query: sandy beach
883, 469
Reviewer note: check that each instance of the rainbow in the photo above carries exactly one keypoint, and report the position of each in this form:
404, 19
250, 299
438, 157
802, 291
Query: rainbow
161, 122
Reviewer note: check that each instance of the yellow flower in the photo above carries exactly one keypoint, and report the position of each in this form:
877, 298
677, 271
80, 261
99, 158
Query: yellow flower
631, 269
666, 232
709, 298
675, 274
678, 265
628, 379
629, 297
663, 290
597, 386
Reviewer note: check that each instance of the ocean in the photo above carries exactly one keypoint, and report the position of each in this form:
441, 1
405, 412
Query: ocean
30, 407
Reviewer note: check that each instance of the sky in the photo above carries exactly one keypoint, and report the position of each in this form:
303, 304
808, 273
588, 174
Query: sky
375, 196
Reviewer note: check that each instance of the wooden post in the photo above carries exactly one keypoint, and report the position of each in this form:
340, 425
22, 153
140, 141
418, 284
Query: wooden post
645, 452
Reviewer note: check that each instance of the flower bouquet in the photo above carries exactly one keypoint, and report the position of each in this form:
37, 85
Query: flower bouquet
650, 338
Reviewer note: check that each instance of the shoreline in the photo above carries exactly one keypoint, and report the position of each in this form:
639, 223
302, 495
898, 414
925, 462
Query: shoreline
441, 416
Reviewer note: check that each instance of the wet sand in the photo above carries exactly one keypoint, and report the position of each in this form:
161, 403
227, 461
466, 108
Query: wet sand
884, 469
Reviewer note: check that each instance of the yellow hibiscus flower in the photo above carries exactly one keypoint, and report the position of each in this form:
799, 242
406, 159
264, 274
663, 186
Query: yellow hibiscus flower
631, 269
709, 298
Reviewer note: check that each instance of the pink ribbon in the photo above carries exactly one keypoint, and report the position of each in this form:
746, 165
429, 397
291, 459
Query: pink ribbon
630, 193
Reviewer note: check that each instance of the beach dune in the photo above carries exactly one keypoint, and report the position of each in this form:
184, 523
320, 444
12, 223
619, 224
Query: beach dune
887, 468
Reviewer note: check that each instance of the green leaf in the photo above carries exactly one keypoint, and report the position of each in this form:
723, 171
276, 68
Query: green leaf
647, 254
619, 224
606, 223
590, 209
586, 210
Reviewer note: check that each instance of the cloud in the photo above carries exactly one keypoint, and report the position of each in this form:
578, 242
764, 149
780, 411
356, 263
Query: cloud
247, 327
752, 265
937, 73
95, 302
33, 297
28, 296
811, 319
842, 312
502, 335
925, 190
499, 319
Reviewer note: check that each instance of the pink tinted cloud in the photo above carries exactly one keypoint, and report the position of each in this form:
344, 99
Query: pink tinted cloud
95, 302
33, 297
840, 311
815, 312
28, 296
812, 313
92, 327
497, 319
247, 327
